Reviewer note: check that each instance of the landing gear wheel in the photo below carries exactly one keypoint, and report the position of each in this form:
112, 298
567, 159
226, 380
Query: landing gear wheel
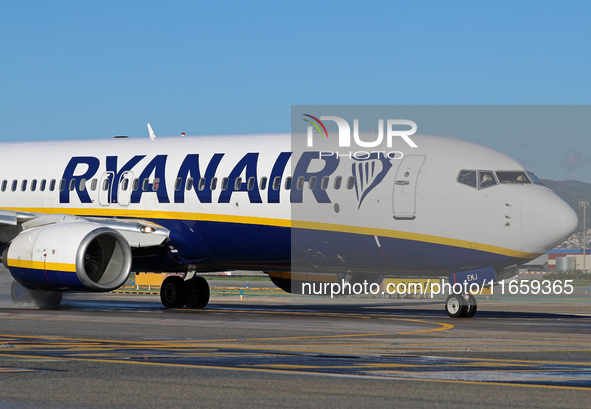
455, 306
45, 300
173, 292
471, 307
198, 292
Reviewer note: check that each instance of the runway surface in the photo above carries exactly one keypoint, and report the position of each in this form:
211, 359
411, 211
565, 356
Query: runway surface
104, 350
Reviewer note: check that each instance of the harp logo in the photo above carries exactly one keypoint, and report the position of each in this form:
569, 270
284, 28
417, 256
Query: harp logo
369, 173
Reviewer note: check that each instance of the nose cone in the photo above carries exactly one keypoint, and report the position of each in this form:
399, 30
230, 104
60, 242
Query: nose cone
546, 219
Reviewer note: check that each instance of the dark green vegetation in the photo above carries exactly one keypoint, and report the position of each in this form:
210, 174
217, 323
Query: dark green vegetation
579, 278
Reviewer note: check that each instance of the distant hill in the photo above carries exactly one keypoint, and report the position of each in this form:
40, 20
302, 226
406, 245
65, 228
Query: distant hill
573, 191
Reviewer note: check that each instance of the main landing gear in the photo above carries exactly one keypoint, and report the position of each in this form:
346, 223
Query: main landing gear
460, 306
191, 291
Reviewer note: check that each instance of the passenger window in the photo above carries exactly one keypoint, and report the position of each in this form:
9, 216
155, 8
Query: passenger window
24, 185
62, 185
136, 184
14, 185
52, 185
201, 185
145, 184
300, 183
263, 183
178, 184
125, 184
467, 177
225, 183
288, 183
4, 184
312, 182
72, 185
351, 182
277, 183
82, 185
214, 183
251, 183
512, 177
156, 184
238, 184
106, 184
486, 178
33, 185
337, 182
43, 185
324, 183
190, 183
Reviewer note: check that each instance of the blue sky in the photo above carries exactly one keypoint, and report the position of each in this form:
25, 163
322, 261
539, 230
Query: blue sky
75, 69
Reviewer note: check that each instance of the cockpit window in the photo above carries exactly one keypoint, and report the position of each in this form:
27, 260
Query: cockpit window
486, 178
481, 179
512, 177
467, 177
534, 178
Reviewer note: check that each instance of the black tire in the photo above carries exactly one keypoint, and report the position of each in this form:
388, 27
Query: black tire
173, 292
198, 292
455, 306
472, 307
45, 300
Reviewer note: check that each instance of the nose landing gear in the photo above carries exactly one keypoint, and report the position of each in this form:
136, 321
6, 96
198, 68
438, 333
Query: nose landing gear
461, 306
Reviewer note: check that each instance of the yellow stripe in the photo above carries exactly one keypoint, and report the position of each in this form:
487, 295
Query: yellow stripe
266, 221
40, 265
153, 214
369, 374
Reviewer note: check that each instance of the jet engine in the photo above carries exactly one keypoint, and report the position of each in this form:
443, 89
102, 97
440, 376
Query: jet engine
79, 256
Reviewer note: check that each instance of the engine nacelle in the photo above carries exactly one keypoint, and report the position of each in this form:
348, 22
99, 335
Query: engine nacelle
78, 256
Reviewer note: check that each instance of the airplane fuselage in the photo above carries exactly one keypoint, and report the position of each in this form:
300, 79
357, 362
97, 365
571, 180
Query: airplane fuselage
249, 202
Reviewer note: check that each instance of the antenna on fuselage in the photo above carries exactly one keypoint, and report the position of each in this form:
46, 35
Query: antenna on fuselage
151, 132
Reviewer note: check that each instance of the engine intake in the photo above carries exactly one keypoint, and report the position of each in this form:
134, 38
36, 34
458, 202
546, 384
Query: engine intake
79, 256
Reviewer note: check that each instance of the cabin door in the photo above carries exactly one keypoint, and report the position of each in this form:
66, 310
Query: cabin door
405, 187
104, 188
124, 188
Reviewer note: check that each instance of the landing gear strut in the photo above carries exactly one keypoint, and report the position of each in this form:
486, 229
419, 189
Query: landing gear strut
177, 292
461, 306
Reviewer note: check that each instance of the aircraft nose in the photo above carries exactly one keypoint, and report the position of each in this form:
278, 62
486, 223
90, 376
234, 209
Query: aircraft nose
546, 219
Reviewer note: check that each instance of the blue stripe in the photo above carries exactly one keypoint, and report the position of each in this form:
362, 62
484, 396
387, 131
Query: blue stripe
46, 280
271, 248
218, 246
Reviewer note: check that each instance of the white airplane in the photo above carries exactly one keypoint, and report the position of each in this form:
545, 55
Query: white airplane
82, 215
